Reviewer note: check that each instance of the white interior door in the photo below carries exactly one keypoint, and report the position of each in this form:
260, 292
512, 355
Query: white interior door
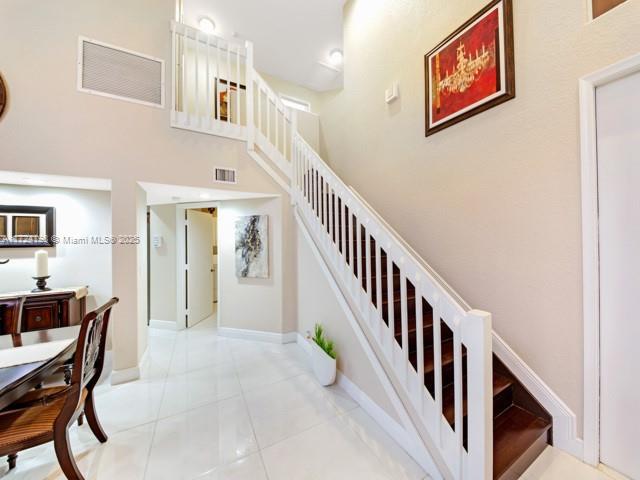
618, 126
199, 266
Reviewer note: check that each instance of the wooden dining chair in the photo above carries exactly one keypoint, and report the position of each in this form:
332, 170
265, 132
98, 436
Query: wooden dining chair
49, 413
11, 317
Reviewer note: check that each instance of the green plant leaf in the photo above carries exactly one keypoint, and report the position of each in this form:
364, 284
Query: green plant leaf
327, 345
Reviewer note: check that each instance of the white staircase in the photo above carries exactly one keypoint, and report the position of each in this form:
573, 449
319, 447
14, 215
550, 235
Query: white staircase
216, 90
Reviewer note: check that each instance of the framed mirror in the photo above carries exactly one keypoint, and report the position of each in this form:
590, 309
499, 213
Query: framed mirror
26, 226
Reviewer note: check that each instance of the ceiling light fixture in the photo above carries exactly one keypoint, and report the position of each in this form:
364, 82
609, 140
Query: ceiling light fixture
336, 57
207, 25
204, 196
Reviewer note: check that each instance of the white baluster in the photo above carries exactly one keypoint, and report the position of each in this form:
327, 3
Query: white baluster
379, 319
367, 272
207, 83
218, 85
437, 366
419, 344
457, 390
403, 319
390, 306
228, 73
238, 89
197, 78
249, 97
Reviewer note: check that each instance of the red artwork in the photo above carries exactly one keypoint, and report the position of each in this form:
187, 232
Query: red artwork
468, 72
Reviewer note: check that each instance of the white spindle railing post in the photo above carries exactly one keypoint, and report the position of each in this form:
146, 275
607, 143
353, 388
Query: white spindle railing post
251, 125
476, 334
437, 367
207, 82
404, 325
457, 393
378, 287
238, 88
218, 84
367, 272
228, 79
174, 59
419, 343
197, 78
390, 305
185, 86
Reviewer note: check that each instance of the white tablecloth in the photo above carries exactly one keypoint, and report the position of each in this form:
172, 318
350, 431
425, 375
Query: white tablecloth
10, 357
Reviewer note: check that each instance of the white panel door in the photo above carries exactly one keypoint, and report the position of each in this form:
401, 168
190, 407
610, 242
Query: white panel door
618, 124
199, 266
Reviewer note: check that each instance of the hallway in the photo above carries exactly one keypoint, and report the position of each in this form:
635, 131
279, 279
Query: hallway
209, 407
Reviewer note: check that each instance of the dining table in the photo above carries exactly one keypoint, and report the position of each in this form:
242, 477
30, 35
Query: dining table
28, 359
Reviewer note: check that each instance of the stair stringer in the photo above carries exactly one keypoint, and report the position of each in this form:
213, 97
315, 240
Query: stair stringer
424, 452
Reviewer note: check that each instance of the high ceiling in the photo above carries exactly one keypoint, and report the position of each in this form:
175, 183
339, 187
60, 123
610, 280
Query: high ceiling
292, 38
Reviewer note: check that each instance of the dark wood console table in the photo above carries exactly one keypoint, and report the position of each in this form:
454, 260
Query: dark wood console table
45, 310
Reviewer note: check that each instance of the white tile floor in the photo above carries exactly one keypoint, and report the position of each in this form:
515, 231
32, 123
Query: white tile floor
213, 408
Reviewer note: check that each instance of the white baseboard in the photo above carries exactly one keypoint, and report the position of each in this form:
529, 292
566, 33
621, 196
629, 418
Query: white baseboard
257, 335
381, 417
565, 432
163, 324
128, 374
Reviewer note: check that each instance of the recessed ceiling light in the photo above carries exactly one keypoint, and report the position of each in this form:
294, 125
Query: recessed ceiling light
336, 57
205, 196
207, 25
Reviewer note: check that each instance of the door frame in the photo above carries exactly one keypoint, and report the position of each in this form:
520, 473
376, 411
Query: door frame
181, 265
590, 247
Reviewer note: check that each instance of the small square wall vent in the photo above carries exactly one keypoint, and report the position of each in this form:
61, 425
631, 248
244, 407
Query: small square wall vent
225, 175
118, 73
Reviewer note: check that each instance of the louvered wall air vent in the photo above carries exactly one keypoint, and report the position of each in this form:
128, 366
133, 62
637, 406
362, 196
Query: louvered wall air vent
118, 73
225, 175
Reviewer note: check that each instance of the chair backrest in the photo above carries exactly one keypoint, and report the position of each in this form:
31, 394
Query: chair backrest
92, 340
12, 314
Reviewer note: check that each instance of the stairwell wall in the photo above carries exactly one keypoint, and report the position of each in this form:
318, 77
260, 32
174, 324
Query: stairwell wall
493, 203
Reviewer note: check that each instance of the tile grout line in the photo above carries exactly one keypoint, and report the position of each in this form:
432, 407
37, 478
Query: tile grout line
246, 406
155, 423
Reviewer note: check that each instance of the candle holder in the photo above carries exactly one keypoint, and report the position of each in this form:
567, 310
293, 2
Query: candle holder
41, 284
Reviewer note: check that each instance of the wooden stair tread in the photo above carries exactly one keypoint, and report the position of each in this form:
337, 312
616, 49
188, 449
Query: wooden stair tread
515, 431
500, 384
446, 350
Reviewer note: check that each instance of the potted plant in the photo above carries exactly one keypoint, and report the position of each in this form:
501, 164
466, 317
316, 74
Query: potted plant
323, 357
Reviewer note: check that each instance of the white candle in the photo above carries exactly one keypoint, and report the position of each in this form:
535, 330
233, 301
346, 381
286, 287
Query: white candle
42, 263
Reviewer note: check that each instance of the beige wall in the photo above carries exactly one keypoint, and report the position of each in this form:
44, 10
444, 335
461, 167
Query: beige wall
317, 303
58, 130
252, 303
162, 263
492, 203
284, 87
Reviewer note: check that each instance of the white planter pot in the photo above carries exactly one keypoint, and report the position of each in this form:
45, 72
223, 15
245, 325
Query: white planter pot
323, 365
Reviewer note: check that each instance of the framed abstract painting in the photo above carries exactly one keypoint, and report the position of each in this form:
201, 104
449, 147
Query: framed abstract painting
472, 70
252, 246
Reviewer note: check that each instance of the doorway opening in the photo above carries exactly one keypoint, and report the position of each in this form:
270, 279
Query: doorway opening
200, 265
